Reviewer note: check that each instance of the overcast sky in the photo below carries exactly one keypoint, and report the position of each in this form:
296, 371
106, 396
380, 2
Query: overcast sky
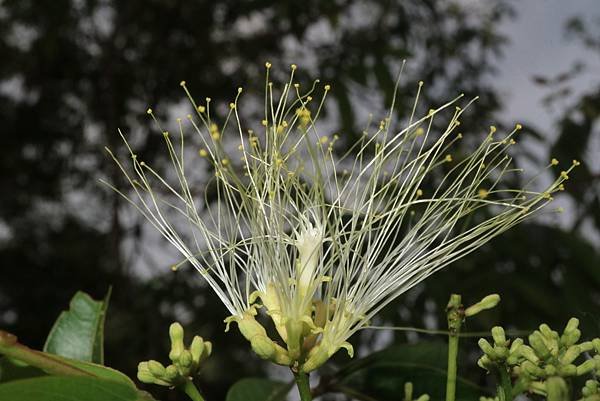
539, 47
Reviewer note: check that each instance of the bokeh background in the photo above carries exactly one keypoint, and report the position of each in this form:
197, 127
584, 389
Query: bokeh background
73, 71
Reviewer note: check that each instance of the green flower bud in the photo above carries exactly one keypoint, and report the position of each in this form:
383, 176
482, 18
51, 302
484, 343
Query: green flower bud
571, 337
596, 344
197, 349
570, 354
185, 362
547, 332
533, 370
556, 389
487, 302
572, 325
537, 343
145, 376
528, 353
484, 362
486, 347
586, 367
567, 370
156, 368
499, 336
424, 397
177, 347
171, 373
591, 386
550, 370
408, 391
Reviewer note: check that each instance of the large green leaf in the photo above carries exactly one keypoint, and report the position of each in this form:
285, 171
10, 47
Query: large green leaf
78, 332
64, 388
256, 389
382, 375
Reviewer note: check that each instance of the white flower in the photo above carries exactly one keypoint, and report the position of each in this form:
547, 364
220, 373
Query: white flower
325, 242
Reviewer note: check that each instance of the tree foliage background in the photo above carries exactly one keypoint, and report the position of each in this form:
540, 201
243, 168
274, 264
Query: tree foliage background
72, 72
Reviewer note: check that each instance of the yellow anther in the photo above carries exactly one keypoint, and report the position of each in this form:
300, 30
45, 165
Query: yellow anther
492, 129
296, 86
241, 147
174, 267
448, 158
323, 140
576, 163
225, 162
561, 187
268, 65
182, 83
203, 153
264, 122
419, 192
240, 89
512, 141
483, 193
459, 135
189, 116
420, 131
518, 126
420, 83
308, 98
327, 87
293, 66
232, 106
554, 162
149, 111
564, 175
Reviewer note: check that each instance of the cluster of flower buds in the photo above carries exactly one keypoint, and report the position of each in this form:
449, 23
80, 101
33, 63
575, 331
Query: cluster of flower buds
185, 361
591, 391
543, 366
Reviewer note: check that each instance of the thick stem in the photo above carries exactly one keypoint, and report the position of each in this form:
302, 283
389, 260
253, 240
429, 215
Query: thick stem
192, 391
303, 386
505, 385
455, 315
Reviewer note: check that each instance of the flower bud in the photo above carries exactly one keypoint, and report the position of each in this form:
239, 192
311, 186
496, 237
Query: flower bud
156, 368
556, 389
185, 362
424, 397
596, 344
487, 302
533, 370
145, 376
499, 336
197, 349
486, 347
570, 355
567, 370
408, 391
586, 367
527, 352
537, 343
171, 373
177, 347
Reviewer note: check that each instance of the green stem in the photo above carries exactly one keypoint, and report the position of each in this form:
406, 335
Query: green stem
505, 385
192, 391
303, 386
455, 315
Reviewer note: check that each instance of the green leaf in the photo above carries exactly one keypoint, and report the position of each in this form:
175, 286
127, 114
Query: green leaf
78, 332
382, 375
256, 389
11, 370
64, 388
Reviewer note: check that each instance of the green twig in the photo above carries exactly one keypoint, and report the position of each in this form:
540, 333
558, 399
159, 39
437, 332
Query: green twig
303, 384
455, 317
51, 364
192, 391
